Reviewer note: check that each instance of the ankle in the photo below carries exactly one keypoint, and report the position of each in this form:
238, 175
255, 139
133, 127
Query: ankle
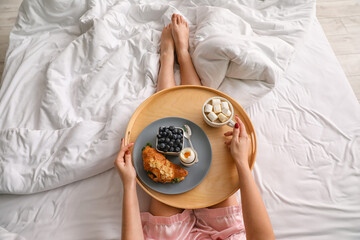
183, 55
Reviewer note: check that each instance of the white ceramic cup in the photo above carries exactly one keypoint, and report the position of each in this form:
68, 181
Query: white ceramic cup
228, 122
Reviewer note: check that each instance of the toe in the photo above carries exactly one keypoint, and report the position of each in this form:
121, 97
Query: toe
181, 19
173, 19
178, 19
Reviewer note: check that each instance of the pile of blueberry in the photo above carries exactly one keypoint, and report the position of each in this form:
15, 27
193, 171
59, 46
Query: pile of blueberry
170, 139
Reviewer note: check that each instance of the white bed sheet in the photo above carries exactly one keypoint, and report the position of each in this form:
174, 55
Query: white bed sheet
307, 166
76, 70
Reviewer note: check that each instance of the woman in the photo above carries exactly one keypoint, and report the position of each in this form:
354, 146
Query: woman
226, 220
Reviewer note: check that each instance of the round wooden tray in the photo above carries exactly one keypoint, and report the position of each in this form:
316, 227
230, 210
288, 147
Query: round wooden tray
186, 102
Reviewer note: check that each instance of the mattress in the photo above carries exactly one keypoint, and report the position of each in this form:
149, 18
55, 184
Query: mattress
307, 167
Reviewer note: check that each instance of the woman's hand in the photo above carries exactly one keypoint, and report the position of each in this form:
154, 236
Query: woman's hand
256, 220
239, 144
124, 165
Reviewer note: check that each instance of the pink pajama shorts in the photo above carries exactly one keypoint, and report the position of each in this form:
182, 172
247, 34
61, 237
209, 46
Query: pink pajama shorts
205, 223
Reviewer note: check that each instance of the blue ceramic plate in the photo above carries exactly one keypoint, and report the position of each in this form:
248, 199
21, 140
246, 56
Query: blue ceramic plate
196, 173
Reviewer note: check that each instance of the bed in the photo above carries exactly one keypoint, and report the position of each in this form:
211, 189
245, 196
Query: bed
75, 71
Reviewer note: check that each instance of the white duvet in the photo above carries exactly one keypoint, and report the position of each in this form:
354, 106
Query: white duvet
76, 71
307, 124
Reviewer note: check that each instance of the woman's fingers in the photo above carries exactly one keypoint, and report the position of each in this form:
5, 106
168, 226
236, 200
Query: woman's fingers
228, 142
120, 156
127, 147
229, 133
128, 153
236, 130
127, 157
122, 143
243, 132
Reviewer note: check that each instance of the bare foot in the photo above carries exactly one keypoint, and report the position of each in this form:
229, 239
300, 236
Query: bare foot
167, 43
180, 33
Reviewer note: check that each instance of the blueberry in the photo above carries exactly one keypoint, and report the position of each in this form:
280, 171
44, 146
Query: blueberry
162, 145
158, 136
161, 129
167, 140
171, 127
170, 135
180, 145
177, 141
171, 144
171, 149
167, 147
177, 149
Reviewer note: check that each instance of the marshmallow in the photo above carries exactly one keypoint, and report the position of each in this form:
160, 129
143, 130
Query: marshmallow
212, 116
216, 101
226, 112
208, 108
217, 108
222, 117
225, 105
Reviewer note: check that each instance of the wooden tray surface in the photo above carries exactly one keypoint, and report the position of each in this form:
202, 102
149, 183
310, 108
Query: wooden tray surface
186, 102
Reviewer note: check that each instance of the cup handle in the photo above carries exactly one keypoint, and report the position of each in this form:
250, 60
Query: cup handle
231, 123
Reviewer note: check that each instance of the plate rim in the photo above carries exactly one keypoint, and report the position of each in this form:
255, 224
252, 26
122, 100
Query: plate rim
206, 171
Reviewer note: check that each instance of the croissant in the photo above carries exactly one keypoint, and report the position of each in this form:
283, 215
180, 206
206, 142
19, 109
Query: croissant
160, 169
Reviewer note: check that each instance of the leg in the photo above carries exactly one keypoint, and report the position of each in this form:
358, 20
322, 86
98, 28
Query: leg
160, 209
166, 77
180, 33
230, 201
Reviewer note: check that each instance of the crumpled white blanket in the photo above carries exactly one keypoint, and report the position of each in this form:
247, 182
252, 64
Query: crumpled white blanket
76, 71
